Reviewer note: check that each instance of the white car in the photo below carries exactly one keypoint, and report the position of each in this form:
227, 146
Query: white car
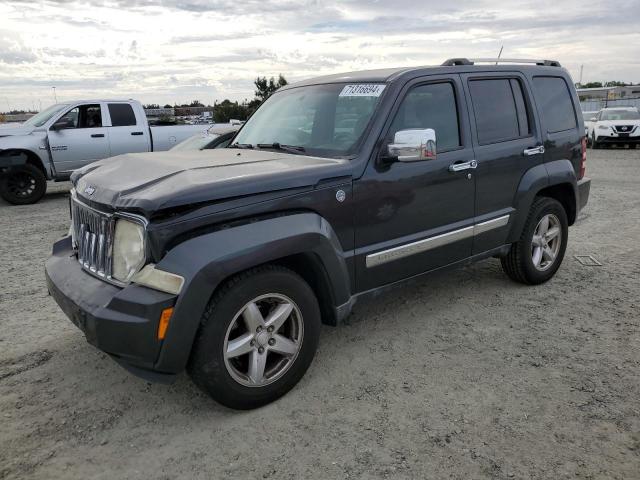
615, 125
587, 117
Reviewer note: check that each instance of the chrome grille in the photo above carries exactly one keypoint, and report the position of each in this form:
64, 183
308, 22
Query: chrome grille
92, 237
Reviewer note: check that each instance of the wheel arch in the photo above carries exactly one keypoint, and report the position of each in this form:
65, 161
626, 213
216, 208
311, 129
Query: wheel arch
21, 156
556, 179
302, 242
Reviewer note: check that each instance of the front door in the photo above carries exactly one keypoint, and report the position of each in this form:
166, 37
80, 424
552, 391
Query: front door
82, 140
418, 216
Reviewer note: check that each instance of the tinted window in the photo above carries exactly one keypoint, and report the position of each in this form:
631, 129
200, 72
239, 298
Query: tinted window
121, 115
552, 94
430, 106
495, 110
523, 113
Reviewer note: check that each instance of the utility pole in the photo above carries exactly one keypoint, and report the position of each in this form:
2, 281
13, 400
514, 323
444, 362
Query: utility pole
54, 94
581, 69
500, 53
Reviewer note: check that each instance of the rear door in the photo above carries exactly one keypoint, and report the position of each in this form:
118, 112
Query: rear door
82, 141
558, 106
127, 132
506, 143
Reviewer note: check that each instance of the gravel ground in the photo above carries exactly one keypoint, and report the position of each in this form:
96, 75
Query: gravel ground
462, 375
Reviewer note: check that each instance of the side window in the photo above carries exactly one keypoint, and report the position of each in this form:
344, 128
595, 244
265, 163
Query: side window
430, 106
500, 110
552, 94
121, 115
83, 116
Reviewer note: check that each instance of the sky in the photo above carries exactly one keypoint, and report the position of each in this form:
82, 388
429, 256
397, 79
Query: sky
174, 51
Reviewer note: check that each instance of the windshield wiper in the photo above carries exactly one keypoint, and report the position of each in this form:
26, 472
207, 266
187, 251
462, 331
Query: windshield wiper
285, 148
240, 145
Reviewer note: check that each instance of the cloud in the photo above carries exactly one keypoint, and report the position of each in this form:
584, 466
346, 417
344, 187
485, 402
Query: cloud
164, 51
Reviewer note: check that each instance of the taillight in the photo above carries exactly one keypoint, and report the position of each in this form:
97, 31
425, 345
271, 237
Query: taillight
583, 161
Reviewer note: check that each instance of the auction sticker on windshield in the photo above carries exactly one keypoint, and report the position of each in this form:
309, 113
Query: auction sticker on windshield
362, 90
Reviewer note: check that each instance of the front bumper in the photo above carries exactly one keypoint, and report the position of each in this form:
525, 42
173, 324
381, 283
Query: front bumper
617, 138
122, 322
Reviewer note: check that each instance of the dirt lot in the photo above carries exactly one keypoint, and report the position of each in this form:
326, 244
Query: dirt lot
462, 375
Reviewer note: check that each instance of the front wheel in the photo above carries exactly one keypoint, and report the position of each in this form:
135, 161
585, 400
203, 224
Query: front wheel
257, 338
536, 257
23, 185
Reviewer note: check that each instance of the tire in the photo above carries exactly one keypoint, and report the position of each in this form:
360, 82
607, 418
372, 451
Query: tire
227, 377
520, 263
23, 185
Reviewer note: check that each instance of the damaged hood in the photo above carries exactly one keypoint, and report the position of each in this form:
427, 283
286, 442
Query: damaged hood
150, 182
14, 129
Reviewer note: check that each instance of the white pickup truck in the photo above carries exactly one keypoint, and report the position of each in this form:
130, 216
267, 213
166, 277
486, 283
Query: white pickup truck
67, 136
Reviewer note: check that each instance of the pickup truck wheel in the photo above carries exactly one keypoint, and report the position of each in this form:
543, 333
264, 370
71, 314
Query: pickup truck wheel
258, 337
23, 185
536, 257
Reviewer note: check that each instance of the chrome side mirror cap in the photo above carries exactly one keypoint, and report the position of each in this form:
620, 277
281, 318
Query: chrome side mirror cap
413, 145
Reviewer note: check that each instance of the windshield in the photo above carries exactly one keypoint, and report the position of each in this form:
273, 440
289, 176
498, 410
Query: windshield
197, 142
43, 117
620, 115
324, 120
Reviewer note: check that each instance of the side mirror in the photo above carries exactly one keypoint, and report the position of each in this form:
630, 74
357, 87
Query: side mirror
413, 145
61, 124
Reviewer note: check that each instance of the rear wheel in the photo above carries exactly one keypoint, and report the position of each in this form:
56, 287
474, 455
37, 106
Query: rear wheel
536, 257
23, 185
257, 339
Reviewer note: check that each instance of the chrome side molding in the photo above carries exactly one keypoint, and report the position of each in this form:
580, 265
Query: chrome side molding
402, 251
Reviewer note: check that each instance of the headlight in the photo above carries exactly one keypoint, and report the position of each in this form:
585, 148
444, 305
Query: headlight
128, 250
603, 127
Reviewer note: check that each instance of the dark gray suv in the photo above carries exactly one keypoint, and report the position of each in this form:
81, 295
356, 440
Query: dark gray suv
226, 262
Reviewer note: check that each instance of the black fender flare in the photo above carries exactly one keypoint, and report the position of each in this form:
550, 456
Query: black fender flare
12, 157
207, 260
536, 179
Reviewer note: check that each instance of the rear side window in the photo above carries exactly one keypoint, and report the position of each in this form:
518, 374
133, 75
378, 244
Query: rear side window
121, 115
552, 94
500, 110
430, 106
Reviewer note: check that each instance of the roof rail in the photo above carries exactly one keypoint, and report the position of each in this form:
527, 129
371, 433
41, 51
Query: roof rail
465, 61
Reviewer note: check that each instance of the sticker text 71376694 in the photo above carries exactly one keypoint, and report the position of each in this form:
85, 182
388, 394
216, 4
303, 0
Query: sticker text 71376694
362, 90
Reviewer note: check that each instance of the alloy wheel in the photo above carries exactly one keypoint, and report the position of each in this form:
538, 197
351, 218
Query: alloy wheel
263, 340
546, 242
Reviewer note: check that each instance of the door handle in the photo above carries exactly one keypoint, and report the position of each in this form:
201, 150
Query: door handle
533, 150
136, 133
460, 166
97, 135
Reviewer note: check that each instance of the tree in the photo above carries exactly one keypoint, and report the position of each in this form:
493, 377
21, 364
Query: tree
265, 88
615, 83
168, 106
592, 85
196, 103
151, 106
226, 110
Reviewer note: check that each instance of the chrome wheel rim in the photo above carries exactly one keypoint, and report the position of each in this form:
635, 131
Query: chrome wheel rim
547, 238
263, 340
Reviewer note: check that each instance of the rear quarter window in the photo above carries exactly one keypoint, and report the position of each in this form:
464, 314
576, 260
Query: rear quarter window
554, 99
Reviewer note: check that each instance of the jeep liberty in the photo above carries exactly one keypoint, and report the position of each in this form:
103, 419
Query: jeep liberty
226, 262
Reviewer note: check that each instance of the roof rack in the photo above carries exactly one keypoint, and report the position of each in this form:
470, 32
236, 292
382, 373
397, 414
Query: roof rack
466, 61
